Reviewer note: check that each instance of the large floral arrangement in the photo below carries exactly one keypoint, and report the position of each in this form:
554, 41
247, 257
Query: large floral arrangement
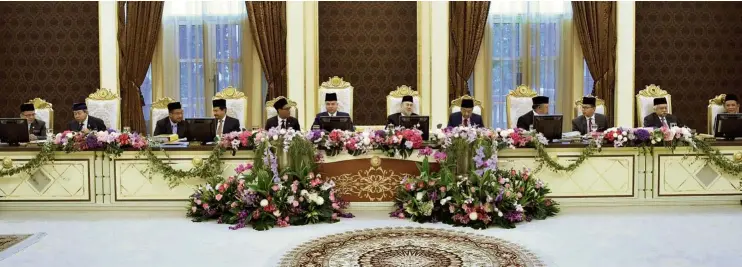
496, 197
111, 141
397, 141
254, 197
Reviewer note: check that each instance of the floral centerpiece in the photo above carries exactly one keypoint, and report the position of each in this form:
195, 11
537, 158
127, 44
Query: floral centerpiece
646, 138
236, 140
111, 141
254, 197
398, 140
334, 143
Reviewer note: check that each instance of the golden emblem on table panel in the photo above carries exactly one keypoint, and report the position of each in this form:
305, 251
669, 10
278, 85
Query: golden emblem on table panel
7, 163
375, 161
373, 184
738, 156
197, 162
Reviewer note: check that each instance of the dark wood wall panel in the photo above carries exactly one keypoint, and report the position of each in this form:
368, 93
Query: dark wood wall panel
373, 45
691, 49
48, 50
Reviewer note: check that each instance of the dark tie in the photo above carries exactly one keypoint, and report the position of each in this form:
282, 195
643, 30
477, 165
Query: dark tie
466, 122
80, 127
283, 124
589, 124
664, 122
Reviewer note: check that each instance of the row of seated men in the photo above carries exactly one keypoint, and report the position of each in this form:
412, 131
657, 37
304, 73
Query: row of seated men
175, 123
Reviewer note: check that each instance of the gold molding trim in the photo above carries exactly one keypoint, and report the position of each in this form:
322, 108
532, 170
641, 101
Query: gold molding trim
404, 90
39, 103
103, 94
230, 93
375, 161
718, 100
652, 91
162, 103
457, 102
335, 82
522, 91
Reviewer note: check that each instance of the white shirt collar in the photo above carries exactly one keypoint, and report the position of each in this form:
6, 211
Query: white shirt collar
85, 122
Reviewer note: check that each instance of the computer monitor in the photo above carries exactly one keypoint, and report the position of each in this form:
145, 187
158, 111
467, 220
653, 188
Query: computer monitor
548, 125
422, 123
328, 123
13, 131
201, 129
728, 126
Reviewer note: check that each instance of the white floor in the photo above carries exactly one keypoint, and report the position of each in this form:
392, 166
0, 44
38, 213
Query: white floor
601, 237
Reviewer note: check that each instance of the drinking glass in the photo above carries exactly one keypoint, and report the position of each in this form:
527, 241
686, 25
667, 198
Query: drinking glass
593, 127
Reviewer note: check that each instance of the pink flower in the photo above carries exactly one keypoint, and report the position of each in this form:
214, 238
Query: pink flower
294, 186
205, 206
226, 186
301, 199
193, 208
507, 193
230, 179
512, 172
295, 203
275, 187
197, 201
518, 195
218, 197
311, 175
473, 189
332, 195
234, 205
285, 177
443, 189
400, 215
507, 185
334, 216
409, 187
335, 206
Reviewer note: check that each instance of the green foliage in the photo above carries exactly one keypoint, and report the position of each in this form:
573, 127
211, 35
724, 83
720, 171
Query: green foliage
209, 170
44, 156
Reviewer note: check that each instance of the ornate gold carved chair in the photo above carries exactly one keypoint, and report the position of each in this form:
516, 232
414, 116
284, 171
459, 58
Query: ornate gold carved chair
237, 106
270, 111
645, 101
44, 111
343, 90
716, 106
456, 105
158, 111
599, 106
518, 102
105, 105
394, 100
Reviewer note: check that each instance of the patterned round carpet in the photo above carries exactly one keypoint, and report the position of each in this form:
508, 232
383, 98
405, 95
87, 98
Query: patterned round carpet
408, 247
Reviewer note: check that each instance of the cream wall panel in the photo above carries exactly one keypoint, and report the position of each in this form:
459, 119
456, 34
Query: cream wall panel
295, 58
678, 175
625, 64
65, 179
108, 45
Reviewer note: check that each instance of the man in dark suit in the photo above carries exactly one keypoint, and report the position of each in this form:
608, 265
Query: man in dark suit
331, 105
407, 105
84, 122
540, 107
36, 127
173, 123
589, 119
283, 120
660, 118
465, 117
731, 104
224, 123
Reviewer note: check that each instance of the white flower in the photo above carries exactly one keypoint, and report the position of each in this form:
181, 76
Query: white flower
498, 130
264, 203
653, 142
473, 216
283, 131
505, 133
209, 188
419, 196
441, 135
290, 200
277, 213
518, 208
445, 200
366, 134
303, 192
69, 135
499, 213
235, 143
615, 134
319, 201
366, 141
456, 135
275, 137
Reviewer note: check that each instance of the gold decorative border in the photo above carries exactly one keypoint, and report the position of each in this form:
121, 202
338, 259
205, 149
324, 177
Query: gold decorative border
103, 94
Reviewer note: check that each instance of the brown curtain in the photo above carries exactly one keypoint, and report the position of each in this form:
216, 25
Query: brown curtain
139, 26
268, 26
467, 21
595, 23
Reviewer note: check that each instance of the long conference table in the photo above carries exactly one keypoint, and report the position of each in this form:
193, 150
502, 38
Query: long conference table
89, 180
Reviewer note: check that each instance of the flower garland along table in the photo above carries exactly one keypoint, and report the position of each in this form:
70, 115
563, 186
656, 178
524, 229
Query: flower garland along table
114, 176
